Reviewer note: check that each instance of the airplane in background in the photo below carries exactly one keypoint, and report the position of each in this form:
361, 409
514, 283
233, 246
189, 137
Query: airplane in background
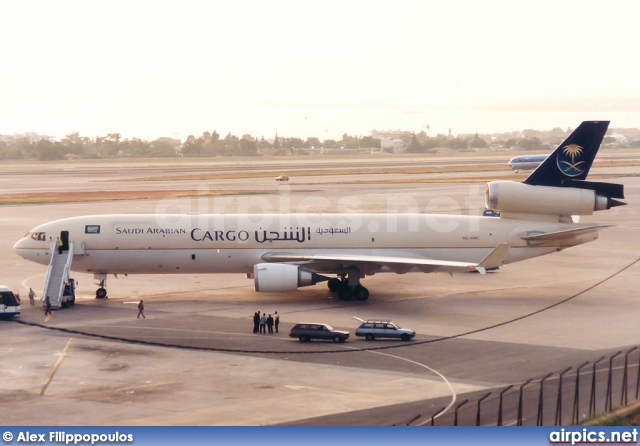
283, 252
526, 162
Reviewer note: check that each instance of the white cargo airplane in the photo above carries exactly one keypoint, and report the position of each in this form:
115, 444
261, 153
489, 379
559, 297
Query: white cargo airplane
283, 252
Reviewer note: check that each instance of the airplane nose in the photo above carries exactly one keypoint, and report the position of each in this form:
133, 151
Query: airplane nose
20, 246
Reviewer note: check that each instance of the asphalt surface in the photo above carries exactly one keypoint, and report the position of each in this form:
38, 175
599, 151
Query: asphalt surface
195, 361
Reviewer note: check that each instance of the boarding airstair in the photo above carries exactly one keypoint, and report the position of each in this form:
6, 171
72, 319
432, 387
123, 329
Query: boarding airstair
57, 276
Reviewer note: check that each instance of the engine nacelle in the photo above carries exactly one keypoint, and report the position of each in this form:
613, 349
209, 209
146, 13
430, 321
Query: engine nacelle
280, 277
518, 198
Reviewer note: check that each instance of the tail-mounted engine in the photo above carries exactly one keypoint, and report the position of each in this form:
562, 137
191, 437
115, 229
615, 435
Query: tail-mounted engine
558, 189
582, 198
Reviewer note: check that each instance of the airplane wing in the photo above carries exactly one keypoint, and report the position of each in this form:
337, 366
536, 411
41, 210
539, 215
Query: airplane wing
369, 262
560, 238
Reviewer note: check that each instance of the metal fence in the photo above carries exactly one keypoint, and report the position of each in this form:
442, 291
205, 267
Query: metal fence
566, 397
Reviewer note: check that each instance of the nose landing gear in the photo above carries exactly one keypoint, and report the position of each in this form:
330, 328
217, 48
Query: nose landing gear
101, 293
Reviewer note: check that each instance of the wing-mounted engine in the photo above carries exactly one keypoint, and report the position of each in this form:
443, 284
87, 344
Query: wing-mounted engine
280, 277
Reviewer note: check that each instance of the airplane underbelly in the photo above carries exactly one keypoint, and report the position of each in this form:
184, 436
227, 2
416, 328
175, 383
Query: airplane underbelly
185, 261
167, 261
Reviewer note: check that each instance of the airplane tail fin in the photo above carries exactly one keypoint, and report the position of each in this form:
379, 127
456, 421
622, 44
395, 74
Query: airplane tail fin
569, 164
573, 158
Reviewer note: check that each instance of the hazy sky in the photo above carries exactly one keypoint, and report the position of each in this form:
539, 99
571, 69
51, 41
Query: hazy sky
315, 68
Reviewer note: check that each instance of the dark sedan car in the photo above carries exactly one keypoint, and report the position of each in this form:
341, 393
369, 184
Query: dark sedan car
308, 331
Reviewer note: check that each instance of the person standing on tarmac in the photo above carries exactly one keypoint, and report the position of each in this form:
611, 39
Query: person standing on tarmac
270, 324
277, 321
256, 321
32, 295
47, 303
263, 323
141, 309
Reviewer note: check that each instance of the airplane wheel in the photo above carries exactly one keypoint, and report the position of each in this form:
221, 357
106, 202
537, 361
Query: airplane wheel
101, 293
334, 284
361, 293
345, 293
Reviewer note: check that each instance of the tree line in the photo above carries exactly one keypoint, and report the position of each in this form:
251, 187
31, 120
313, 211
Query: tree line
210, 144
74, 145
420, 143
207, 145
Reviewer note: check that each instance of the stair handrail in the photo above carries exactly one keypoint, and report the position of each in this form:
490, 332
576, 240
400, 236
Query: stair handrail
65, 272
52, 250
64, 278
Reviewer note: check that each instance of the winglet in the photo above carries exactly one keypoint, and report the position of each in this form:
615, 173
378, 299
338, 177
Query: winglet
494, 258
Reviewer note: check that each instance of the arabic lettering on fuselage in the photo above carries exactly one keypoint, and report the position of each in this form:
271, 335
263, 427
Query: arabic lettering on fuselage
261, 236
332, 231
300, 235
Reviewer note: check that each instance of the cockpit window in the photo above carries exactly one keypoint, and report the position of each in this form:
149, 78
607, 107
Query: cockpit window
39, 236
92, 229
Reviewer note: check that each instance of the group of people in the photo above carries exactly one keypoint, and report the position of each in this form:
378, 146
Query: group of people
263, 323
47, 306
47, 302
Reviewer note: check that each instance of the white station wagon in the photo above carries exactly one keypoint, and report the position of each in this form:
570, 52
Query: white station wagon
383, 329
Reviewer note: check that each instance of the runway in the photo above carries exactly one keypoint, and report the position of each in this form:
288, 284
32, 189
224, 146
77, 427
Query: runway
194, 359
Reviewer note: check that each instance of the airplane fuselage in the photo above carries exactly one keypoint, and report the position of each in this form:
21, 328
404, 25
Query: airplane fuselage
283, 252
526, 162
170, 244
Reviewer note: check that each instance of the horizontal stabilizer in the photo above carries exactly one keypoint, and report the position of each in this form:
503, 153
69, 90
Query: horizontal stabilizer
557, 237
610, 190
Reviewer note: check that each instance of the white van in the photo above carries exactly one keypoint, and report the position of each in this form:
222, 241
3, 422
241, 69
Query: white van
9, 304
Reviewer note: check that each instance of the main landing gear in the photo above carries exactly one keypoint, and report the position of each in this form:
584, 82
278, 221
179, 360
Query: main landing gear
346, 291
